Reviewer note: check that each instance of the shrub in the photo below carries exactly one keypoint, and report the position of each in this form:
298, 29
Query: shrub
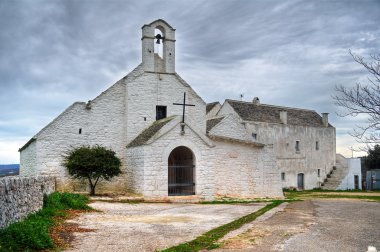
92, 163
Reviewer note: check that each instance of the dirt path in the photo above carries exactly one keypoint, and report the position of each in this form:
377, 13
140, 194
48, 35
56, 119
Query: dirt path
349, 193
270, 234
148, 227
311, 194
314, 225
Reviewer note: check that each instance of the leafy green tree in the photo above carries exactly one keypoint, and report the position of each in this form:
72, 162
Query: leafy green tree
372, 161
92, 163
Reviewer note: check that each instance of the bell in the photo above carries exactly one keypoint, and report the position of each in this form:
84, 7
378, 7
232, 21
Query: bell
158, 37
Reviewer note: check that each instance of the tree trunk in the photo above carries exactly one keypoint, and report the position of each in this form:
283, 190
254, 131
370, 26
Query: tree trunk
92, 187
92, 192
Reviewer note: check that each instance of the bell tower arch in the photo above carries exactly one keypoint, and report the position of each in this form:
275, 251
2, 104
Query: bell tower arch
166, 37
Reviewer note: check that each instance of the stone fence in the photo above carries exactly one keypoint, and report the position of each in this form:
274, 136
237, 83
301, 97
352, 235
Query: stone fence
21, 196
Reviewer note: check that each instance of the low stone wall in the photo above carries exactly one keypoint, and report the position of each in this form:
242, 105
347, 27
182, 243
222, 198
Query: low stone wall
21, 196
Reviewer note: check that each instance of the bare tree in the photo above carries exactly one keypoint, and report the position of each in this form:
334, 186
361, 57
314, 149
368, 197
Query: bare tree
363, 99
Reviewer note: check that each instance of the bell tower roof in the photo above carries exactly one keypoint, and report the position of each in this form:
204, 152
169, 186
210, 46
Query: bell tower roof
159, 21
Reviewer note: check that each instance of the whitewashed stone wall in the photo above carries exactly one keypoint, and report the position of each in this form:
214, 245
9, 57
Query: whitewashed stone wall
226, 109
226, 168
308, 160
151, 89
231, 127
21, 196
212, 113
245, 171
135, 169
155, 182
106, 123
354, 169
284, 137
28, 160
102, 124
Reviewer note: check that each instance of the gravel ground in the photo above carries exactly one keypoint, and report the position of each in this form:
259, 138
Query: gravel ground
344, 225
327, 225
148, 227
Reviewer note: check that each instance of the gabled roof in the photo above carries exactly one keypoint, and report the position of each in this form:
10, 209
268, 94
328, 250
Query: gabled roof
34, 138
138, 71
211, 123
161, 127
27, 144
149, 132
157, 21
235, 140
184, 83
249, 111
210, 106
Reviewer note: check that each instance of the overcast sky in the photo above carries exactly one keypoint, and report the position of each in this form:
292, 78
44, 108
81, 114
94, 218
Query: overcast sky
290, 53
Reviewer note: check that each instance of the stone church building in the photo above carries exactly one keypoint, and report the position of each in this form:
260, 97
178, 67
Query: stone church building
238, 149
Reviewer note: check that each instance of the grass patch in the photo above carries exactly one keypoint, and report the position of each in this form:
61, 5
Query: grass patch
321, 190
33, 233
217, 202
228, 200
335, 194
127, 201
208, 240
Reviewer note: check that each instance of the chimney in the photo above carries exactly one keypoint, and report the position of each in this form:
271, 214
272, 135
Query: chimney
284, 116
325, 119
256, 101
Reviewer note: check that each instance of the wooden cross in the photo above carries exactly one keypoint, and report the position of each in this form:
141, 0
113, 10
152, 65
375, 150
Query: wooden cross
184, 105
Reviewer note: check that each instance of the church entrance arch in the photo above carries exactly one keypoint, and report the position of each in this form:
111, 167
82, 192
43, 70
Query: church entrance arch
181, 172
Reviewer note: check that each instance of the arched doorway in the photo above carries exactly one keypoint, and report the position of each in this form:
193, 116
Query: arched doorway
181, 172
300, 181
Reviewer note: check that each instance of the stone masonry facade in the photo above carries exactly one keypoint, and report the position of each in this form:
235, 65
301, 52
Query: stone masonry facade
317, 142
21, 196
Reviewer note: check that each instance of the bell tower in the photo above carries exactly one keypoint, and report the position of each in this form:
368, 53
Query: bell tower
167, 39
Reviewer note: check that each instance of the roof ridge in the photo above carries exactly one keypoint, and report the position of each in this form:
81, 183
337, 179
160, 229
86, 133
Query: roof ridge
210, 123
216, 102
33, 138
148, 132
273, 106
216, 117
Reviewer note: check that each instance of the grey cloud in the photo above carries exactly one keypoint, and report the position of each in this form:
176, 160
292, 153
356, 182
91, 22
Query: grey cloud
289, 53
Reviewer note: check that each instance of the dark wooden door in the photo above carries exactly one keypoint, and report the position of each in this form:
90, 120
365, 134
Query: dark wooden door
181, 172
300, 181
356, 181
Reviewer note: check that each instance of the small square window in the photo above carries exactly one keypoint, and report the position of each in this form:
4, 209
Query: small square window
297, 146
283, 176
316, 145
254, 135
80, 131
160, 112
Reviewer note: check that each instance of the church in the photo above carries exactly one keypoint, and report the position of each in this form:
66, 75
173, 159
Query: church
171, 143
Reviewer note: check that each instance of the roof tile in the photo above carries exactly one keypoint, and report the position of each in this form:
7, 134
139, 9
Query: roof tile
212, 123
271, 114
149, 132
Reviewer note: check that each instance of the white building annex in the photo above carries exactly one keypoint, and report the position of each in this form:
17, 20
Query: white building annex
238, 149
